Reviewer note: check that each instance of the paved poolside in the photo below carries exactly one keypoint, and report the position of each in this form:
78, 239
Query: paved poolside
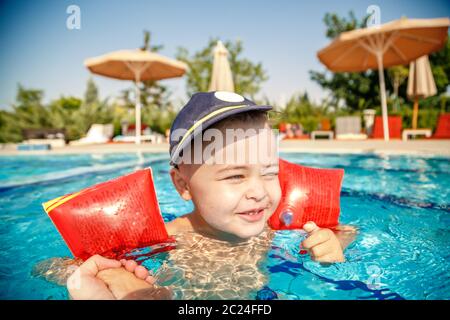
397, 147
421, 147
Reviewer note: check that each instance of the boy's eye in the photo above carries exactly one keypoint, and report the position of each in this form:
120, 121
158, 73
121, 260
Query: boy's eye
271, 174
235, 177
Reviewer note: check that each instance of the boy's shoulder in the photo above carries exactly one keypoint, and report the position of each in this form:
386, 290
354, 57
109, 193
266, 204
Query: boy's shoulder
179, 225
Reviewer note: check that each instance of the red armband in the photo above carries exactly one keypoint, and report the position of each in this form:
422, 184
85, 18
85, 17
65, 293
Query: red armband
308, 194
110, 218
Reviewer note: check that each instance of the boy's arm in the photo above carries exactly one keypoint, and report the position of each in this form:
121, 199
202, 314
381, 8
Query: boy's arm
56, 270
327, 245
83, 284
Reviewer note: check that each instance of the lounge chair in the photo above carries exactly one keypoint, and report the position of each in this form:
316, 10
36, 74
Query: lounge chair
324, 130
98, 133
443, 127
129, 135
395, 127
349, 128
325, 125
152, 138
53, 137
130, 130
369, 119
415, 132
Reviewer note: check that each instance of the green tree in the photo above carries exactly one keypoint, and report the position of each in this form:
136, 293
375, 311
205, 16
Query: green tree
397, 76
153, 92
61, 115
247, 76
9, 130
76, 115
336, 25
91, 93
440, 67
300, 109
29, 110
159, 119
91, 110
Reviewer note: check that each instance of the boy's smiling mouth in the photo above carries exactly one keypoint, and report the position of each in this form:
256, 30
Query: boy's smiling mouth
252, 215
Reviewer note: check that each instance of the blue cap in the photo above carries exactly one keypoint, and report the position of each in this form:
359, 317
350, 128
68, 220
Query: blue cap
205, 109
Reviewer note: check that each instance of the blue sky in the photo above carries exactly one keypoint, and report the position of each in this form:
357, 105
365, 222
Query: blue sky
38, 51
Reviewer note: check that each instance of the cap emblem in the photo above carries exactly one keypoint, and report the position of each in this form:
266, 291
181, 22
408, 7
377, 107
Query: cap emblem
228, 96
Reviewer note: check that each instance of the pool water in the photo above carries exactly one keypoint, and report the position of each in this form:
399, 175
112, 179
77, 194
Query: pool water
400, 205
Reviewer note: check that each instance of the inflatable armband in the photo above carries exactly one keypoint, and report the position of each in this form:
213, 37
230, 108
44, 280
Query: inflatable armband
110, 218
308, 194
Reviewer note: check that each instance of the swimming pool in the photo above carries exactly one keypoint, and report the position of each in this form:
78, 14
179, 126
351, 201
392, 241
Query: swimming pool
399, 203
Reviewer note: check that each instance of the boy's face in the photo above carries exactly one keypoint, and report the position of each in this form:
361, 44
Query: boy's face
236, 197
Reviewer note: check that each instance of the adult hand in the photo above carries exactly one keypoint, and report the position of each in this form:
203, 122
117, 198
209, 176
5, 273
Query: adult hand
83, 283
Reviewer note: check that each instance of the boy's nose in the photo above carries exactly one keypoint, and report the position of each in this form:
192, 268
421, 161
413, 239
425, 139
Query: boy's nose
256, 190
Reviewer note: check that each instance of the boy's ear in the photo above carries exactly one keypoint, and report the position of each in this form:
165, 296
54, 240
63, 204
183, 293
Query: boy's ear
180, 183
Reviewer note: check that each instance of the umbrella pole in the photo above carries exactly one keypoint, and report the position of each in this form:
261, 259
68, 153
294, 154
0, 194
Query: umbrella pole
415, 113
138, 108
384, 110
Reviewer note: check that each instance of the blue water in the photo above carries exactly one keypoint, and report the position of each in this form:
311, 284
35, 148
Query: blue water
399, 203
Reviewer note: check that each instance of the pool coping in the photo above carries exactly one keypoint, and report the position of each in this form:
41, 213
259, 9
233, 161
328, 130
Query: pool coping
379, 147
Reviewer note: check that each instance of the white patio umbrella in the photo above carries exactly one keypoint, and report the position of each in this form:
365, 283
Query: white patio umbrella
136, 65
221, 78
420, 84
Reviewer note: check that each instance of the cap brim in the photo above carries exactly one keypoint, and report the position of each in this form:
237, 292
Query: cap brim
208, 123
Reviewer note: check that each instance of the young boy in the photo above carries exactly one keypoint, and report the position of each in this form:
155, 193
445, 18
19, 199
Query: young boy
233, 197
